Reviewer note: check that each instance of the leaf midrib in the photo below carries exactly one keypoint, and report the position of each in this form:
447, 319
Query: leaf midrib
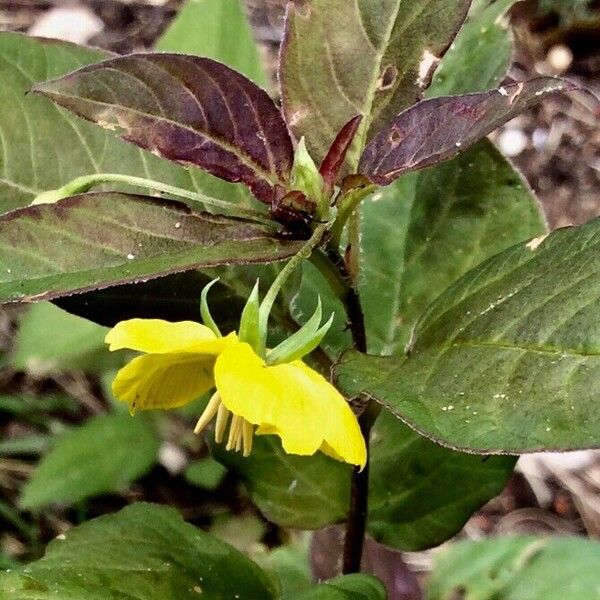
521, 347
361, 135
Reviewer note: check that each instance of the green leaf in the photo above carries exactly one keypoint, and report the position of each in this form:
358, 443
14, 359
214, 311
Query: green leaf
292, 491
45, 147
187, 109
25, 444
480, 54
216, 29
506, 360
326, 80
206, 473
423, 233
347, 587
103, 455
50, 339
426, 230
518, 568
97, 240
384, 223
144, 552
420, 493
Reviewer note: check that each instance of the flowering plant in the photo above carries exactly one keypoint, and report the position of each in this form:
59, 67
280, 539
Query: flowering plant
459, 333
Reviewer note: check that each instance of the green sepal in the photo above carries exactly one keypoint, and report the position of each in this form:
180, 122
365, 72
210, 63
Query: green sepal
307, 179
250, 323
207, 318
303, 342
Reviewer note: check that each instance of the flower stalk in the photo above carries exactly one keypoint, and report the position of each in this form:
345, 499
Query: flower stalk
303, 254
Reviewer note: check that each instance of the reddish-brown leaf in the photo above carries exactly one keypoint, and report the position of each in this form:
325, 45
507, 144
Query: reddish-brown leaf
336, 155
437, 129
188, 109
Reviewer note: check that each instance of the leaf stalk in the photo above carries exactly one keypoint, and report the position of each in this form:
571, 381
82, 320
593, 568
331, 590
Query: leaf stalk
85, 183
347, 207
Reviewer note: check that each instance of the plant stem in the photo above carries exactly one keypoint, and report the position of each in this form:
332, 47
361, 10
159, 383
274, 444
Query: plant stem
334, 271
342, 280
356, 524
84, 183
332, 268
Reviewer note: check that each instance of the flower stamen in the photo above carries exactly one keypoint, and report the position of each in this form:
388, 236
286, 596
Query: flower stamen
235, 431
240, 439
241, 431
248, 435
221, 425
209, 413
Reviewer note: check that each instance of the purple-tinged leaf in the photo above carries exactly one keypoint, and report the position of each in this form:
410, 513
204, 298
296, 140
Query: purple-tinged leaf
437, 129
94, 241
333, 161
188, 109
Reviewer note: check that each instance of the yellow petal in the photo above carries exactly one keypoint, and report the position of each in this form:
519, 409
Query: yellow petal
164, 380
159, 337
291, 400
342, 432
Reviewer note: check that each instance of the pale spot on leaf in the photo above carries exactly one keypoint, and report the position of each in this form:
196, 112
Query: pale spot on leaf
535, 242
426, 67
297, 116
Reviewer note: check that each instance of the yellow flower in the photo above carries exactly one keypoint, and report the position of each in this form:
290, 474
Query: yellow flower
184, 360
